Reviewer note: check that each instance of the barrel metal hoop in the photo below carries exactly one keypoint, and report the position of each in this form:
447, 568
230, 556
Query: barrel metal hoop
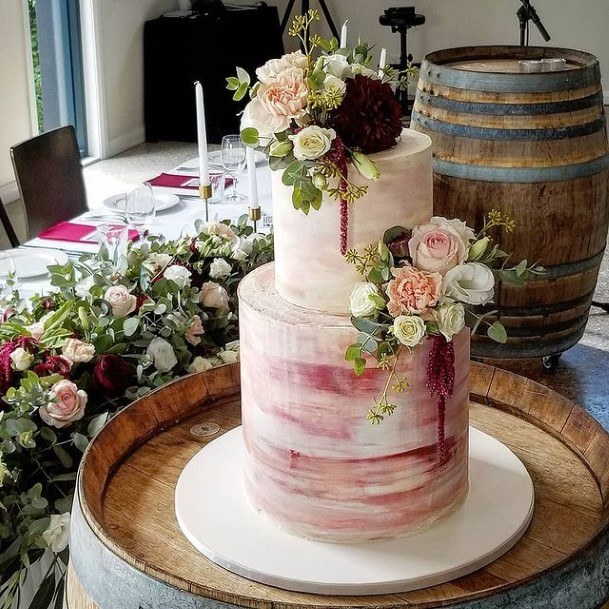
499, 109
533, 82
524, 175
538, 311
494, 134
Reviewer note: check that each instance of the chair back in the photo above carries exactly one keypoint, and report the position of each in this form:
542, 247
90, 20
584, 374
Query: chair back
50, 179
8, 227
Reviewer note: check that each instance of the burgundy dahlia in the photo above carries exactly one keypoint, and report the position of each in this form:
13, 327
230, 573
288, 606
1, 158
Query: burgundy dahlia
370, 117
112, 374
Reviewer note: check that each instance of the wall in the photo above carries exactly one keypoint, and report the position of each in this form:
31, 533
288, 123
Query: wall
15, 115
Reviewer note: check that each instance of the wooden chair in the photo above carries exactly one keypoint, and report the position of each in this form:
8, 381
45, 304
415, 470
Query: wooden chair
50, 179
8, 227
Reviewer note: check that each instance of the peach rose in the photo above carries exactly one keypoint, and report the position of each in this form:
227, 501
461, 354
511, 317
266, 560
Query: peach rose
436, 249
194, 331
287, 96
121, 301
77, 350
412, 291
213, 295
69, 407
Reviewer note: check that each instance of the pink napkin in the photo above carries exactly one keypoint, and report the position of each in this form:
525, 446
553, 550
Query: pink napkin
170, 180
76, 233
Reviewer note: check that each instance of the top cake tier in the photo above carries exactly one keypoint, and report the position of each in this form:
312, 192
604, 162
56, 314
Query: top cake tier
310, 270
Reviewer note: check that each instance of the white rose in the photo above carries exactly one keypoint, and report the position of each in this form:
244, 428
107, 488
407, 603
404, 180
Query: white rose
272, 68
220, 230
178, 274
450, 318
200, 364
245, 244
20, 359
256, 116
162, 354
57, 534
83, 287
358, 68
238, 255
158, 261
312, 142
336, 65
472, 283
121, 301
213, 295
333, 85
361, 303
464, 231
77, 350
219, 268
409, 329
36, 330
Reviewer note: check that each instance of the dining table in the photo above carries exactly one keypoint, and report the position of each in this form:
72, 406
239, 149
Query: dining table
174, 219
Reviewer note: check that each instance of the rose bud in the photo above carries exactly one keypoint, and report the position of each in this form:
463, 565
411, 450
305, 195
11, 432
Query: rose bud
398, 246
320, 181
113, 374
48, 304
478, 249
365, 166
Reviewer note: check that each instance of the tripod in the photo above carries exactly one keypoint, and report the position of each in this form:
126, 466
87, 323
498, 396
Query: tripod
305, 9
525, 14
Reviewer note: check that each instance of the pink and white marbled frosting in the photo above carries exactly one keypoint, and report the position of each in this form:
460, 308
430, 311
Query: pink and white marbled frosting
314, 465
310, 270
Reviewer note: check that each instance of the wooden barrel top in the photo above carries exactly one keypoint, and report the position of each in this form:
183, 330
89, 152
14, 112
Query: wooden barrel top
128, 476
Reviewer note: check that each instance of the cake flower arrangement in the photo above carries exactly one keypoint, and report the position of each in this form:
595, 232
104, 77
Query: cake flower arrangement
317, 114
424, 285
109, 332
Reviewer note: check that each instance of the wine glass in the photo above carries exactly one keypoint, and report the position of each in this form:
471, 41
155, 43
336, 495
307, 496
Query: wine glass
140, 208
233, 162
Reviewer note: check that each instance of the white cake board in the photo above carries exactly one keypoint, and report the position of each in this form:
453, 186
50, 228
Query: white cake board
214, 514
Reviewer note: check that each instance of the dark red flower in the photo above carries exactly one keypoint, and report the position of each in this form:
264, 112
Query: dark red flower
53, 364
113, 374
370, 117
6, 371
48, 303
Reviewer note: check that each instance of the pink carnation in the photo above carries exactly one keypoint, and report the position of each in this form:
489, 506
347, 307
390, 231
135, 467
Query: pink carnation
287, 96
412, 291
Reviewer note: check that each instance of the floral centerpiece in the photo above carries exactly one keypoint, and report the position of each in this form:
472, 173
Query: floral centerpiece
426, 284
112, 331
319, 113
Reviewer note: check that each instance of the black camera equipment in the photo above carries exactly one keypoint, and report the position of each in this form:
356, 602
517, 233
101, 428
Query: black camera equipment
525, 14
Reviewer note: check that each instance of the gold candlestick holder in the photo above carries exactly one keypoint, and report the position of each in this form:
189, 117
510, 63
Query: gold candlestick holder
255, 214
206, 193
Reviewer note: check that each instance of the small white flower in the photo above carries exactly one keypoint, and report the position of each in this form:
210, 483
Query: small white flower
157, 261
180, 275
358, 68
77, 350
200, 364
472, 283
20, 359
238, 255
230, 355
408, 329
219, 268
121, 300
57, 534
336, 65
312, 142
334, 86
162, 354
450, 318
361, 301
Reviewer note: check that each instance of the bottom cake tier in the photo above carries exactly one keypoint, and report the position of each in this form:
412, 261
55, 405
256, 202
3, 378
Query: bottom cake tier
314, 464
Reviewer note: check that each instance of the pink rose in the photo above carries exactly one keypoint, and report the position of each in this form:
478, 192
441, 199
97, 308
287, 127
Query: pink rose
213, 295
412, 291
77, 350
121, 301
194, 331
436, 249
287, 96
69, 407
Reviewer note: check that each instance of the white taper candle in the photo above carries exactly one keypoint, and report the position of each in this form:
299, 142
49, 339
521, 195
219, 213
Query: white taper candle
382, 62
252, 178
343, 35
202, 137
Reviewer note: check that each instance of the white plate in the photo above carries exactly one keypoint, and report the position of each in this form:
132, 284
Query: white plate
163, 201
29, 263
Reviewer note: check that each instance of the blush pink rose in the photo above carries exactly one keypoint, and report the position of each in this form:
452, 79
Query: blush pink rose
69, 407
195, 331
412, 291
436, 249
213, 295
286, 96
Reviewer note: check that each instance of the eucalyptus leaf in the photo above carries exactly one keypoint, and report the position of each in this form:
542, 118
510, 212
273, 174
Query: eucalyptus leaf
250, 137
131, 326
64, 456
241, 92
497, 332
359, 365
97, 423
353, 352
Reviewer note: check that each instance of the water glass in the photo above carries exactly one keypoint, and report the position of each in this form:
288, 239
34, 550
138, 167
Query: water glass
140, 208
218, 181
112, 239
233, 162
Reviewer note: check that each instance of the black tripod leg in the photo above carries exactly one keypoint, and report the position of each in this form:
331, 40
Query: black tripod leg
286, 16
329, 19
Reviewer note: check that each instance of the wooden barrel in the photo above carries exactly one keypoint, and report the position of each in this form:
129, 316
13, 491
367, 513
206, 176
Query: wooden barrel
127, 550
534, 146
